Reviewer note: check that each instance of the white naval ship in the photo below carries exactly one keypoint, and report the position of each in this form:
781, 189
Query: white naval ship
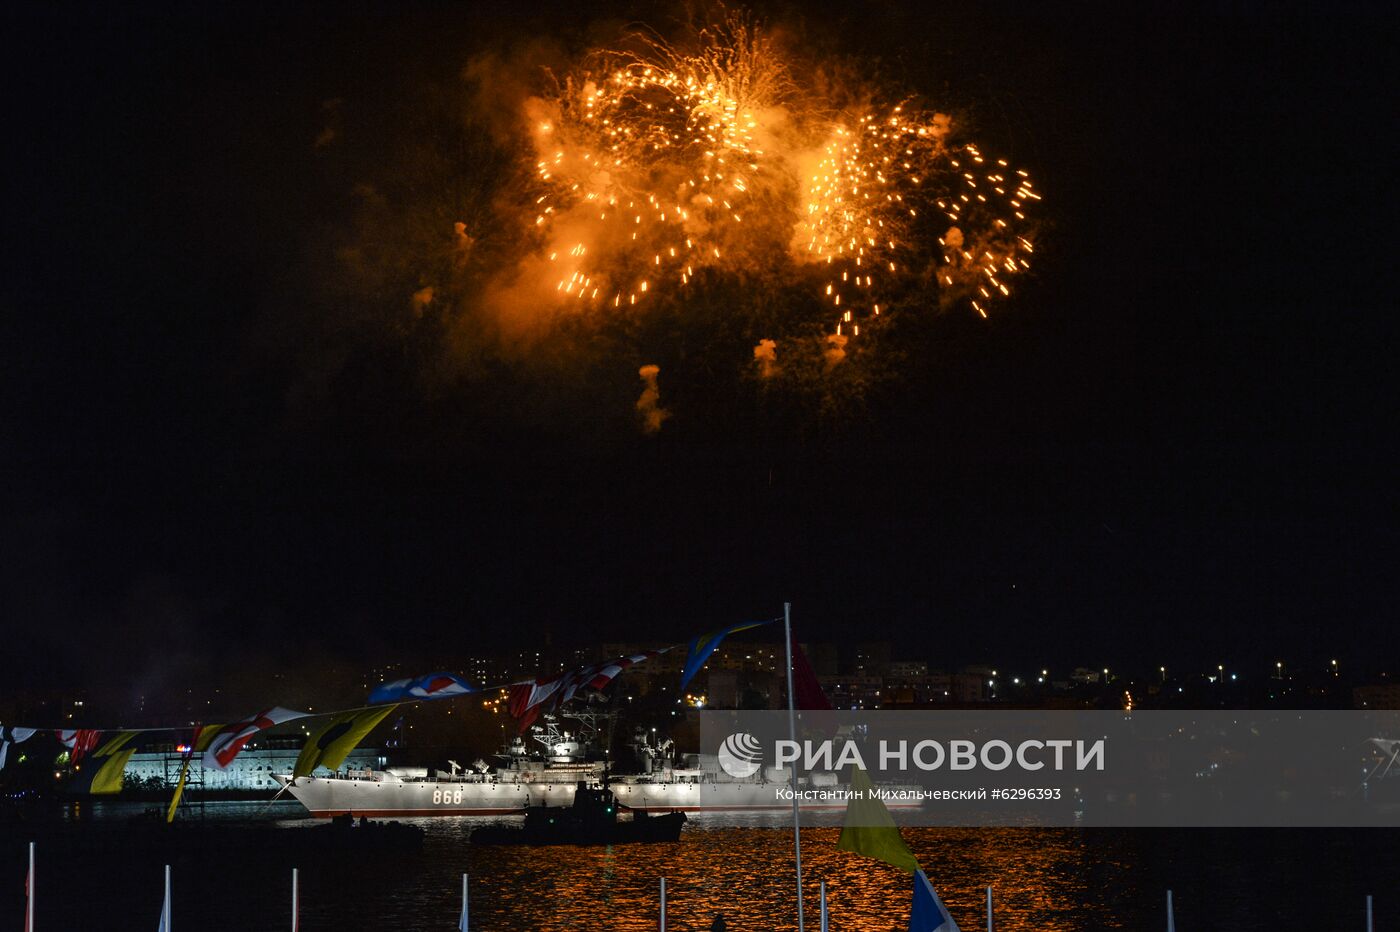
524, 778
550, 778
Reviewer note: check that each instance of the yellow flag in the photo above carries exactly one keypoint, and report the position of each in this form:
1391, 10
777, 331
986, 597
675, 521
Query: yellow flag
108, 777
870, 829
108, 764
333, 743
203, 735
114, 745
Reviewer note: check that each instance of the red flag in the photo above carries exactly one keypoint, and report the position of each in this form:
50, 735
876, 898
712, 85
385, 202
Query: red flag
806, 691
81, 740
545, 694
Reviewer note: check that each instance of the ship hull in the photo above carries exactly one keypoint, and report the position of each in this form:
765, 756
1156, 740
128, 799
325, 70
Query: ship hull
325, 798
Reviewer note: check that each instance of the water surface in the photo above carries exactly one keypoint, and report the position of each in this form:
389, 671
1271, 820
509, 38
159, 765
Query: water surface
1048, 880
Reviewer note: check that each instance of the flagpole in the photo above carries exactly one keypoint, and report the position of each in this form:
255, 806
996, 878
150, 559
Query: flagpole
990, 926
165, 907
463, 925
1368, 908
29, 893
792, 733
824, 916
1171, 915
296, 906
663, 904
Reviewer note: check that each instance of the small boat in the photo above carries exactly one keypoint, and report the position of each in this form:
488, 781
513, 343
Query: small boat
347, 830
590, 820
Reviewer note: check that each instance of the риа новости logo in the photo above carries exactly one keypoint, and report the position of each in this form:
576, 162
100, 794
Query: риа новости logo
740, 755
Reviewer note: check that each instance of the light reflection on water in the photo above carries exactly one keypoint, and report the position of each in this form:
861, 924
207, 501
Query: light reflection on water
746, 873
1050, 880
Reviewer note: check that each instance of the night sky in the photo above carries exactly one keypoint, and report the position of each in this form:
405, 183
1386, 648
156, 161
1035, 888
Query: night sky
1175, 445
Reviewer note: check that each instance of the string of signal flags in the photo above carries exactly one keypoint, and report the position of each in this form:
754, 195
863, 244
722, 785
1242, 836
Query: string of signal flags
99, 756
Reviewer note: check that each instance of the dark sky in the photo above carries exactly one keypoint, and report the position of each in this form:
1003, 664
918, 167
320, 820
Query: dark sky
1176, 445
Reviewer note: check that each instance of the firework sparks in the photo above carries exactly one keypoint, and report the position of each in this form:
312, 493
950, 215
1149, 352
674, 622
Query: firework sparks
882, 191
647, 165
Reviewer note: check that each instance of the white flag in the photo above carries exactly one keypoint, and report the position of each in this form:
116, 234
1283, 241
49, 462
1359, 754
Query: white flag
231, 738
12, 734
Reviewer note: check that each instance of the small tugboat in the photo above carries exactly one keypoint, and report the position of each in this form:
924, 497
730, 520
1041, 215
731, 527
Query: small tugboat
347, 830
591, 820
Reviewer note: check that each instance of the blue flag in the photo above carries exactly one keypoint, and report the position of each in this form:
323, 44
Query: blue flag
928, 913
702, 646
431, 686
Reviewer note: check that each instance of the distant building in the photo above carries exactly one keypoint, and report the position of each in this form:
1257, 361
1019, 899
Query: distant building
523, 664
744, 689
758, 658
941, 688
872, 658
482, 671
722, 690
908, 683
825, 658
251, 770
853, 690
968, 687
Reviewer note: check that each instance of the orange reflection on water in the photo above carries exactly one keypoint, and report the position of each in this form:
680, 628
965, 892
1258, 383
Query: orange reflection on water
1042, 879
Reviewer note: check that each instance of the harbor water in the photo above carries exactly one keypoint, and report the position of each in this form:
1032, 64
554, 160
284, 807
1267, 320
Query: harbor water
740, 866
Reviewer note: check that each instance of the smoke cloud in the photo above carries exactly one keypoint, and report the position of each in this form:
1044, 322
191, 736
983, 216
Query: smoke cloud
422, 298
649, 404
835, 351
765, 356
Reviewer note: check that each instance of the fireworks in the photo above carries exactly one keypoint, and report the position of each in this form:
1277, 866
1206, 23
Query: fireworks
650, 168
656, 166
879, 195
647, 163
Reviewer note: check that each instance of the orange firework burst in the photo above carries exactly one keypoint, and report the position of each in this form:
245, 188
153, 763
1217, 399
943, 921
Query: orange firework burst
651, 167
863, 204
647, 163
